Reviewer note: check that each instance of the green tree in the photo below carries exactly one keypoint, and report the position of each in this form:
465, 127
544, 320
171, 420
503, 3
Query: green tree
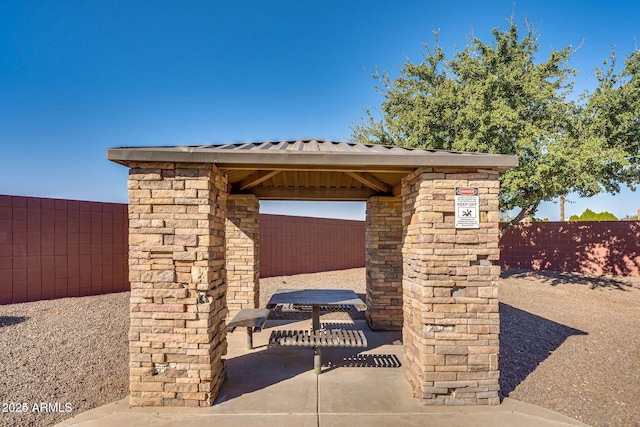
534, 219
609, 129
495, 98
589, 215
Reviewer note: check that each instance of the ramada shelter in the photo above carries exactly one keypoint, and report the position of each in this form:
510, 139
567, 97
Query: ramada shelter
194, 256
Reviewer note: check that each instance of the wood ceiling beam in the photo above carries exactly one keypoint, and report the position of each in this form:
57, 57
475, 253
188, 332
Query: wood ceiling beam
370, 181
250, 167
256, 178
397, 190
324, 194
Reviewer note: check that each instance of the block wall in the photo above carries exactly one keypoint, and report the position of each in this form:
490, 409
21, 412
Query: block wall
383, 246
451, 320
592, 247
243, 252
177, 271
52, 248
296, 245
55, 248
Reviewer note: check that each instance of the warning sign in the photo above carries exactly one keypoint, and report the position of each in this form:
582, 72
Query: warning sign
467, 207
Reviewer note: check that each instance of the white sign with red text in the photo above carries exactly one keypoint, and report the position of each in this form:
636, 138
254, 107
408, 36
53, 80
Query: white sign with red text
467, 202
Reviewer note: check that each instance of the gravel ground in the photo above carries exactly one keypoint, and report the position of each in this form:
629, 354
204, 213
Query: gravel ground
70, 351
570, 343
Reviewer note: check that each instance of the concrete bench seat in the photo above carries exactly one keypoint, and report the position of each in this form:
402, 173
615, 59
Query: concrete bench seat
319, 338
251, 318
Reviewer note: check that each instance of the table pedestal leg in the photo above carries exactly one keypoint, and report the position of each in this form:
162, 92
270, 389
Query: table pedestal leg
250, 338
317, 362
317, 350
316, 317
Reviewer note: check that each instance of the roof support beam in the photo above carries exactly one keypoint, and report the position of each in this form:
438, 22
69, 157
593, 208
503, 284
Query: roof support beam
337, 168
370, 181
256, 178
324, 194
397, 190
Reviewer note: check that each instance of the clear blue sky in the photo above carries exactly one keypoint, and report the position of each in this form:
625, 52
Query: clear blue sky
78, 77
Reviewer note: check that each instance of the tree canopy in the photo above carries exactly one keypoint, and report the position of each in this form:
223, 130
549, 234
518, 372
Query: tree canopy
496, 98
589, 215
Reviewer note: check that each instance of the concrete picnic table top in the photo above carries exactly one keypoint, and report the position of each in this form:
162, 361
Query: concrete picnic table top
316, 297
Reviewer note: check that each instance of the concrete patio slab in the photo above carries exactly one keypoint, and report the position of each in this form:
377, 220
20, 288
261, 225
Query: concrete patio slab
269, 381
277, 387
493, 419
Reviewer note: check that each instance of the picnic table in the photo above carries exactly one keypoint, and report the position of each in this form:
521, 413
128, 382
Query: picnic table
318, 337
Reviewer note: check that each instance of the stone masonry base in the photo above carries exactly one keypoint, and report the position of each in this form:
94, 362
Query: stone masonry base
177, 335
451, 319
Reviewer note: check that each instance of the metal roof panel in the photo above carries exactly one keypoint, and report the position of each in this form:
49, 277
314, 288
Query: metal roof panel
311, 152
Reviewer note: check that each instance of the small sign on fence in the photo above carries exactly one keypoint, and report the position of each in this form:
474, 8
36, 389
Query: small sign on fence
467, 203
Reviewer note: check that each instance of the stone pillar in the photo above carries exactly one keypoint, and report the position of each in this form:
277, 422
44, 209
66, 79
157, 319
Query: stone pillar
383, 246
451, 320
177, 335
243, 252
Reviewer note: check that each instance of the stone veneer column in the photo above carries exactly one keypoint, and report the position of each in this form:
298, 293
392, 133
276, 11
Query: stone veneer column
177, 335
383, 246
243, 252
451, 320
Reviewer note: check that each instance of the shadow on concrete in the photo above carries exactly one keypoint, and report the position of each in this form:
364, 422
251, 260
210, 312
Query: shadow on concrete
526, 340
266, 367
258, 370
11, 320
368, 361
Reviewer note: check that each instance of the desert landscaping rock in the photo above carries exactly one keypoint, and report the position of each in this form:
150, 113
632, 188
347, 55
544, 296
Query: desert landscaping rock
569, 342
70, 351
